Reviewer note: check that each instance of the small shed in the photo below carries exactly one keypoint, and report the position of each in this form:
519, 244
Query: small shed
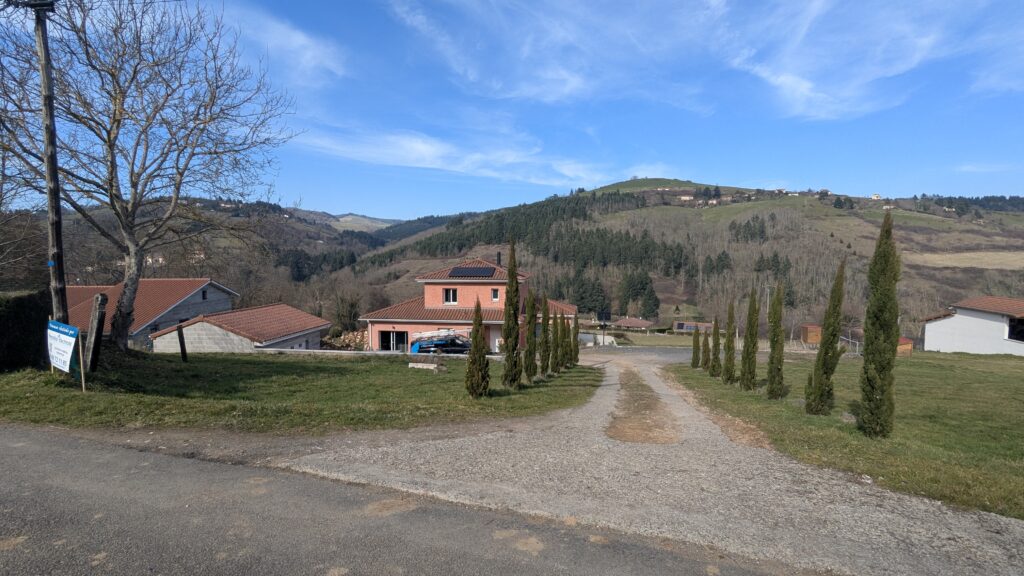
905, 347
275, 326
633, 324
810, 334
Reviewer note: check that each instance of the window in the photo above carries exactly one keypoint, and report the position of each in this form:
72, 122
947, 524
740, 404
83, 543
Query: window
1016, 331
494, 294
451, 296
204, 294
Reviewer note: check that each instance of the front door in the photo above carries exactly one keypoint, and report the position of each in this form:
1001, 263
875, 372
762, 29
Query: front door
393, 340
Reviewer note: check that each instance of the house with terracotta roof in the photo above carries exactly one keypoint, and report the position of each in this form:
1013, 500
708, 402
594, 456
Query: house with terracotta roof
979, 325
274, 326
628, 323
159, 303
449, 295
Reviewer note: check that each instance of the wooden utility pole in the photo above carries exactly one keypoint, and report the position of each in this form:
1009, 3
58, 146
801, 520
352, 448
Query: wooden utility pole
94, 342
58, 292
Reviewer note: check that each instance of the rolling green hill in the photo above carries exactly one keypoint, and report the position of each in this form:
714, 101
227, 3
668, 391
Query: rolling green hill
639, 185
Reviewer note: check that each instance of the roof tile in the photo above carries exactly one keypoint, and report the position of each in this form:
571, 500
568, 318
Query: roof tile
154, 297
260, 323
1012, 307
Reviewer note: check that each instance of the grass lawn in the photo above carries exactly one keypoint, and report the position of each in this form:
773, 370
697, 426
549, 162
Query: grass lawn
278, 393
959, 429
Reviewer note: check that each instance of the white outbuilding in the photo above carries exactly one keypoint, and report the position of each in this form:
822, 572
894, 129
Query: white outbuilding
276, 326
980, 325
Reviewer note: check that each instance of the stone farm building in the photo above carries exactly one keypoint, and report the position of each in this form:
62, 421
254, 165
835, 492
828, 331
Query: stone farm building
275, 326
159, 303
980, 325
449, 296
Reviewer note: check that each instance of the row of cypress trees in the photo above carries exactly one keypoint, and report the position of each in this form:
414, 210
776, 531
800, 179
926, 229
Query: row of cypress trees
881, 337
558, 347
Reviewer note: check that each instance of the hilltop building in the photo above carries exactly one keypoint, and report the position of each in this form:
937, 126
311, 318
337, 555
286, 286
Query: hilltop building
980, 325
449, 295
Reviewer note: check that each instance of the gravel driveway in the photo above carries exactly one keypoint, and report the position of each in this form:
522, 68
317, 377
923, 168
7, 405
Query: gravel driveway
703, 489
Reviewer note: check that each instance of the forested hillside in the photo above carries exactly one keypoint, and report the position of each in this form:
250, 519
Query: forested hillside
610, 252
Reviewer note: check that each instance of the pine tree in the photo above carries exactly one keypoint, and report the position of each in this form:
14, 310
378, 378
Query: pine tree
881, 336
530, 354
478, 375
729, 365
695, 355
556, 344
776, 344
545, 338
748, 361
819, 397
705, 352
575, 340
716, 343
512, 377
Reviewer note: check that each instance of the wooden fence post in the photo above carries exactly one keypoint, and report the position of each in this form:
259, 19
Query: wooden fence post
181, 344
95, 339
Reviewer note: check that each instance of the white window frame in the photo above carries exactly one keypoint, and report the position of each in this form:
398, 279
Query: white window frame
495, 295
454, 300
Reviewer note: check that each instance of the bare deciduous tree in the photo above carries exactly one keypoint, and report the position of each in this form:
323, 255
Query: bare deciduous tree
154, 106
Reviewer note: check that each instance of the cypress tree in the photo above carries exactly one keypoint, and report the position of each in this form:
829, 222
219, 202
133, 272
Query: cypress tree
729, 365
705, 352
566, 343
545, 337
575, 340
695, 356
556, 344
819, 397
512, 377
748, 361
881, 336
530, 354
716, 361
776, 344
478, 375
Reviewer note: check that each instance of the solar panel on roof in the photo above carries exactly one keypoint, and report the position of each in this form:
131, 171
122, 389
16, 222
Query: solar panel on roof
471, 272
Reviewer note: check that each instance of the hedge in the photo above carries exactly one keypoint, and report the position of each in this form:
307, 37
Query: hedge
23, 320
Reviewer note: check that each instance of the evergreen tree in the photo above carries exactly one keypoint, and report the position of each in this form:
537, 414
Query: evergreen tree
748, 361
729, 365
716, 343
776, 343
478, 375
556, 344
530, 354
512, 377
575, 340
705, 353
881, 336
819, 397
567, 343
545, 337
695, 356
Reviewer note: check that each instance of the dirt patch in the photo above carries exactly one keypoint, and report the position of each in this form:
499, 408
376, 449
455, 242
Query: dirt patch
994, 260
640, 416
735, 429
11, 543
382, 508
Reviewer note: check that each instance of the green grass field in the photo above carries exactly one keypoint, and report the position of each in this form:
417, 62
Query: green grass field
958, 430
271, 393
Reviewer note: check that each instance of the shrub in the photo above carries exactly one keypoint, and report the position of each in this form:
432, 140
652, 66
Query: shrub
23, 320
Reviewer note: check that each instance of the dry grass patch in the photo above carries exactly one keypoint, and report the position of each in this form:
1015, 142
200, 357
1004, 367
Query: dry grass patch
640, 416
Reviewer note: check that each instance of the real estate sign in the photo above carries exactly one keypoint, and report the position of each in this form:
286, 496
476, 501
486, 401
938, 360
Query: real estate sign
60, 341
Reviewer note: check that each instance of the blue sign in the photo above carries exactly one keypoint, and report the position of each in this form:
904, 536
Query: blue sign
60, 341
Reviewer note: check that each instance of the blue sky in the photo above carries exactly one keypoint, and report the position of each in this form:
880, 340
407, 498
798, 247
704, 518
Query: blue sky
405, 108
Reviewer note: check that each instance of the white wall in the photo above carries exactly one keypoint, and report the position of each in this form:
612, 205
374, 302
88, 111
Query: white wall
202, 337
971, 331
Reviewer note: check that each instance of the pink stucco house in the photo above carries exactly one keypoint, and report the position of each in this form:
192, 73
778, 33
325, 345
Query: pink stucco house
449, 296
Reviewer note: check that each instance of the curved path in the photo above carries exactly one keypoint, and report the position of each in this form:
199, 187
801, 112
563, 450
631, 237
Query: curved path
702, 488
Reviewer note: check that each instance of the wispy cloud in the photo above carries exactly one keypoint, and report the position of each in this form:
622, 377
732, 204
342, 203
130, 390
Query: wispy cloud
985, 168
300, 58
417, 150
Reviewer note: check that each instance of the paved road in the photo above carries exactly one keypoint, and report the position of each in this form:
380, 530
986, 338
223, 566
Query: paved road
70, 505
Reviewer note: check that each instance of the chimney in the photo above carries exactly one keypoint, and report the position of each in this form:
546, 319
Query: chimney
499, 257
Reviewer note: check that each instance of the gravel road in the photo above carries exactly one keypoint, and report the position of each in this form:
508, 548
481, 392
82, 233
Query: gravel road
703, 489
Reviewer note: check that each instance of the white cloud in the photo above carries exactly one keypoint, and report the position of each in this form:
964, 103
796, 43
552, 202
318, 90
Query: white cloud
302, 59
417, 150
984, 168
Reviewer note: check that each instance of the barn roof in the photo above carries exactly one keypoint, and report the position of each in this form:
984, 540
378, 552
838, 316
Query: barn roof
154, 297
1012, 307
261, 324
